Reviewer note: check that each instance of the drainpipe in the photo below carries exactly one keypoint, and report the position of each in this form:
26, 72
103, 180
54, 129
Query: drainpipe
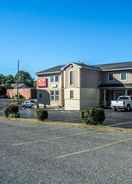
104, 97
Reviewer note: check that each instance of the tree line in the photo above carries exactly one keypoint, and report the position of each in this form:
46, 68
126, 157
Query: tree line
21, 77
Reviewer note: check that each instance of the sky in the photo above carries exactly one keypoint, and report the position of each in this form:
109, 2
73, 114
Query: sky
44, 33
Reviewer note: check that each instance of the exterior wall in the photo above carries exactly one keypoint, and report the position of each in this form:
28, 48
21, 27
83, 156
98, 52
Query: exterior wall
74, 103
89, 91
28, 93
90, 78
85, 88
55, 86
89, 97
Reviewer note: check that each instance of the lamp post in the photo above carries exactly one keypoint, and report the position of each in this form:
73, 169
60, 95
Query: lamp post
17, 81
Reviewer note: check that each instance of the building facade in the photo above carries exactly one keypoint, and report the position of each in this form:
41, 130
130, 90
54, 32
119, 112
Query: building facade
77, 85
50, 87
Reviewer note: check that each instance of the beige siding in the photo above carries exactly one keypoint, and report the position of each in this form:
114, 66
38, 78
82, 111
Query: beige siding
90, 78
55, 86
89, 97
72, 104
76, 77
89, 92
85, 87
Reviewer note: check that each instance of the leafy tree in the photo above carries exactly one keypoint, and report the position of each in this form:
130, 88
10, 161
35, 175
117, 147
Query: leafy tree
24, 77
2, 79
9, 79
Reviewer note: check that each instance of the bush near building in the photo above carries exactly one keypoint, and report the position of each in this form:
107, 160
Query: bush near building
93, 116
42, 114
12, 110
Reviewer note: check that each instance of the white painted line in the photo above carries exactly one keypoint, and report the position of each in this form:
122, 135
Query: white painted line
93, 149
47, 140
118, 124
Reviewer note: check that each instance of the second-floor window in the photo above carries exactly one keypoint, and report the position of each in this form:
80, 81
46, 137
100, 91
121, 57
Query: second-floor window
71, 77
123, 76
54, 78
110, 76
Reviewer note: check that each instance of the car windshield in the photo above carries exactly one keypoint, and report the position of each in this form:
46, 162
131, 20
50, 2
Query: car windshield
123, 98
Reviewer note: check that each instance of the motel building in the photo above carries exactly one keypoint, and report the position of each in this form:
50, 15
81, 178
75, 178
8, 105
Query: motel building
77, 86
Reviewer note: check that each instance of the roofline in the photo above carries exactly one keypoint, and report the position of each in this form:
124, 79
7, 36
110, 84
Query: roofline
117, 69
46, 73
87, 67
98, 67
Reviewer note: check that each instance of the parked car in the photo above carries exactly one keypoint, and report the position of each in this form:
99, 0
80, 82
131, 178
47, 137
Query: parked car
122, 103
28, 104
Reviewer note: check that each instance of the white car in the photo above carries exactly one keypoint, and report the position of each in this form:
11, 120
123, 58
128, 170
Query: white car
28, 104
122, 102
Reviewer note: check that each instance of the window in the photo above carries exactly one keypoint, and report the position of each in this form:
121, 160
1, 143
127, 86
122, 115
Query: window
110, 76
123, 98
56, 95
56, 78
71, 77
123, 75
71, 94
52, 78
52, 95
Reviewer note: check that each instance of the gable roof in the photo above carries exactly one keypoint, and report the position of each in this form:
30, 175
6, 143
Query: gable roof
115, 66
100, 67
83, 65
55, 69
92, 67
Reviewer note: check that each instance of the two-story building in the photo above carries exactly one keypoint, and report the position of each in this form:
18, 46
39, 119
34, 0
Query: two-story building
77, 85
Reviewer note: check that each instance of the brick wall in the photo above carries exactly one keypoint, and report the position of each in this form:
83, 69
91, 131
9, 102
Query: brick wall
28, 93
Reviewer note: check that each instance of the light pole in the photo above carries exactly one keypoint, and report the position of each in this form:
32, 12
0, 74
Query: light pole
17, 80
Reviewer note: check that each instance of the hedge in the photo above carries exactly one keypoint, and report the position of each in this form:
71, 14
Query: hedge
93, 116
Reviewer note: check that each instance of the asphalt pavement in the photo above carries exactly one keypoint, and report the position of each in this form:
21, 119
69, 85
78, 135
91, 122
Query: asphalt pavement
49, 154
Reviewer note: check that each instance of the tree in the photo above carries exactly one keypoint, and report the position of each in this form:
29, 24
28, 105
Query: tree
9, 79
24, 77
2, 79
2, 91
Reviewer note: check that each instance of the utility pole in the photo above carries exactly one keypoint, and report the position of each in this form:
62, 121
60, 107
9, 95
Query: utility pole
17, 81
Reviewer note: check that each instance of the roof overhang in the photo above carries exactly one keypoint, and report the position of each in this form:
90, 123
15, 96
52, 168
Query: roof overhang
117, 69
48, 73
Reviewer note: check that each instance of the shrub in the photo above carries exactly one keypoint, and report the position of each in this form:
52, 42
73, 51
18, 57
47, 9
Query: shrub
42, 114
93, 116
12, 110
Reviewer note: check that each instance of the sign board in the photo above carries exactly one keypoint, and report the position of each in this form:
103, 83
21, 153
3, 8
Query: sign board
42, 83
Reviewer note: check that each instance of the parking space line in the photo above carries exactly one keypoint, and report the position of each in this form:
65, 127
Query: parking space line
93, 149
47, 140
124, 123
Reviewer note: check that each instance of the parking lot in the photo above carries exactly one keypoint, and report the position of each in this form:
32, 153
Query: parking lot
46, 154
114, 119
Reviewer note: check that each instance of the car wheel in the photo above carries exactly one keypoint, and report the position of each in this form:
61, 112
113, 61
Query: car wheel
128, 107
115, 109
